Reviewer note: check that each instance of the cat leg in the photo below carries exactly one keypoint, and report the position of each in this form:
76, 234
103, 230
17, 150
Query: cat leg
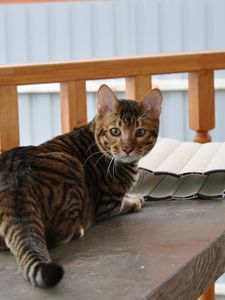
65, 231
131, 203
79, 231
61, 235
3, 246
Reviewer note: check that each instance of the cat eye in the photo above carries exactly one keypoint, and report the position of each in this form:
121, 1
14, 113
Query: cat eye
140, 132
115, 131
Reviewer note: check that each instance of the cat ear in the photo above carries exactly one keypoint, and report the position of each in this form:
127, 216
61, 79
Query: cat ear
107, 103
151, 103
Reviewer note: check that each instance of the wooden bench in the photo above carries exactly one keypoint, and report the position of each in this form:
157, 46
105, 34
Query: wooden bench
138, 244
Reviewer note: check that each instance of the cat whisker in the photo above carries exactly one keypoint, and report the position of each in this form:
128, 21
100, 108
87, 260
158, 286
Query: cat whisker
103, 155
113, 170
92, 145
114, 167
90, 157
108, 169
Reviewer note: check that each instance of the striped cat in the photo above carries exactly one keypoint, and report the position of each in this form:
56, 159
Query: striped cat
53, 192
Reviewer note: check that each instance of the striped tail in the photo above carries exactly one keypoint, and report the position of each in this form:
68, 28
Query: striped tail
31, 252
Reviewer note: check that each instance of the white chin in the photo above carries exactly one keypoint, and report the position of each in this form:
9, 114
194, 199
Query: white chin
127, 159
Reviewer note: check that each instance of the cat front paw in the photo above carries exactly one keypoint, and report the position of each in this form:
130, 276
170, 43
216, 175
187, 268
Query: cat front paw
131, 203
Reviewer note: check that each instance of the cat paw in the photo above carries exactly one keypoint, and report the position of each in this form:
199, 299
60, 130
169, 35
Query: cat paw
79, 231
131, 203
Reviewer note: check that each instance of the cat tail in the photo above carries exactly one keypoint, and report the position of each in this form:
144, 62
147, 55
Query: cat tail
29, 246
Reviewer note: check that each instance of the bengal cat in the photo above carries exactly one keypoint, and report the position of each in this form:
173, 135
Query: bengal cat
53, 192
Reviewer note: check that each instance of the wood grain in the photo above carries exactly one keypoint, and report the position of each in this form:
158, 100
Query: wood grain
111, 68
73, 105
137, 87
9, 123
209, 294
201, 104
171, 250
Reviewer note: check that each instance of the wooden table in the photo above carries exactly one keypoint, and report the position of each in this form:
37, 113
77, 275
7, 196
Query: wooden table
171, 250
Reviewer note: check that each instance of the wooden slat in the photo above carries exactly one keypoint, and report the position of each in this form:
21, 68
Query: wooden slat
201, 104
209, 294
73, 105
9, 124
111, 68
137, 87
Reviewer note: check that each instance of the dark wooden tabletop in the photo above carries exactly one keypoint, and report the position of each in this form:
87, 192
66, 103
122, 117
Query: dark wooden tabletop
171, 250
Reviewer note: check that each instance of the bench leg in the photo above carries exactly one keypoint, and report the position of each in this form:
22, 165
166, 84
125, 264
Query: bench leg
208, 294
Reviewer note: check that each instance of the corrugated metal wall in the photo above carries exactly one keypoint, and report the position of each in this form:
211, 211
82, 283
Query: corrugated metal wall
79, 30
96, 29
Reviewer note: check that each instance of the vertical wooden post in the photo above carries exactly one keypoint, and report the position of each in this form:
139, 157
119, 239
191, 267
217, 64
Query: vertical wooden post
209, 294
202, 119
201, 104
9, 120
138, 86
73, 105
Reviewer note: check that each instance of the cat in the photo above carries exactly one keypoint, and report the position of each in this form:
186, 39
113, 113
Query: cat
52, 193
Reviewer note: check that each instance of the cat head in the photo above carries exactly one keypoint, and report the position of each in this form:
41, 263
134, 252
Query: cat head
126, 129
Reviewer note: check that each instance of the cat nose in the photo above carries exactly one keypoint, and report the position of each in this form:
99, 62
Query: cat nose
127, 150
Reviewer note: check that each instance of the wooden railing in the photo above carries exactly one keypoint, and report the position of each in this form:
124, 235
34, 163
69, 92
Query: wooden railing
136, 70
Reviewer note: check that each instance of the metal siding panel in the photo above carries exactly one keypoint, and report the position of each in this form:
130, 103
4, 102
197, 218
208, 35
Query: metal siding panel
16, 31
40, 118
59, 32
125, 28
209, 26
171, 34
147, 24
3, 38
103, 29
91, 107
38, 39
81, 34
194, 25
218, 20
218, 134
215, 28
26, 130
171, 116
55, 115
188, 133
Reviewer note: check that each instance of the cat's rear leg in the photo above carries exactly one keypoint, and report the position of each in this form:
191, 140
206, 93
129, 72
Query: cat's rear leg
79, 231
64, 233
131, 203
3, 246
